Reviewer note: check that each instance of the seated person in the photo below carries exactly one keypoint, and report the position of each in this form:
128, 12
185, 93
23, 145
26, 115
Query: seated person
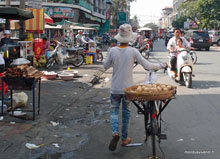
179, 45
6, 40
46, 45
85, 40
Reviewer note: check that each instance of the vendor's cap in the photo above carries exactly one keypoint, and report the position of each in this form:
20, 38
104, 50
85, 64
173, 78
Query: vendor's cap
6, 32
80, 31
125, 34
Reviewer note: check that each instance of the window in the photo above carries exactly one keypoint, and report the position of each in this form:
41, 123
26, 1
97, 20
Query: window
200, 34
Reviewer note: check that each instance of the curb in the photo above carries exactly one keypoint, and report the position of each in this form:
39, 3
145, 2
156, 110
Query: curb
215, 48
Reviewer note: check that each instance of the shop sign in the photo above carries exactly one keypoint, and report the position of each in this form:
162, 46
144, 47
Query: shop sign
194, 25
122, 18
59, 12
35, 4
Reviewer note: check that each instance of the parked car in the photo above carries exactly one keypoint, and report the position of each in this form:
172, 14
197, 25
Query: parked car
199, 39
215, 37
168, 36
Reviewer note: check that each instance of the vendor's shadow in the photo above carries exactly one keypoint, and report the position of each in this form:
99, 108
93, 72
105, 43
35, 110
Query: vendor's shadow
205, 84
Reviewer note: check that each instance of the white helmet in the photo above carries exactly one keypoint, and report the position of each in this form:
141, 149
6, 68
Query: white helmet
6, 32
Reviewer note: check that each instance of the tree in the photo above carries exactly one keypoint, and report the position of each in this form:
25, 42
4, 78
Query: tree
179, 23
190, 10
210, 13
135, 22
153, 26
206, 13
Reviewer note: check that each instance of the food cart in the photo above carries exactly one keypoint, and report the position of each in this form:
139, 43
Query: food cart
19, 76
13, 50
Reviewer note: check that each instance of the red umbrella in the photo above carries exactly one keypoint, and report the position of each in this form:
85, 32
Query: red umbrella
47, 19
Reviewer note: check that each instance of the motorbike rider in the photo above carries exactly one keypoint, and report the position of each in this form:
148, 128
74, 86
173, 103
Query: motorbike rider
79, 38
85, 40
122, 58
172, 47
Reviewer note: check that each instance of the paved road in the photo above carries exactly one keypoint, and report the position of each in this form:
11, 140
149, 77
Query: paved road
191, 121
82, 112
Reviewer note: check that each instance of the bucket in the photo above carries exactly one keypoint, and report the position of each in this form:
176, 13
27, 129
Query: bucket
89, 60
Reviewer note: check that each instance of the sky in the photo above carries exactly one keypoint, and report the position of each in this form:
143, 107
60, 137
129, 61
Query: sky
148, 11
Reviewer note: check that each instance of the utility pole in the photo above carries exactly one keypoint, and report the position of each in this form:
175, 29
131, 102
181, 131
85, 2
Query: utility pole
7, 23
21, 22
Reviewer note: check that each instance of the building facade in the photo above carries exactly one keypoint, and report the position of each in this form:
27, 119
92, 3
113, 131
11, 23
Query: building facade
80, 11
167, 18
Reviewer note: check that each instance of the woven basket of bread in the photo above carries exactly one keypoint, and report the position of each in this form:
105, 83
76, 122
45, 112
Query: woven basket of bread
150, 92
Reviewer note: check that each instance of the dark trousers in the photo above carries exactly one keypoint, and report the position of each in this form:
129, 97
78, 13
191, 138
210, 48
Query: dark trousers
173, 63
2, 68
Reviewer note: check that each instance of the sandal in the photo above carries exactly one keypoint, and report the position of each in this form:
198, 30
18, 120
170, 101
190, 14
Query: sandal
113, 144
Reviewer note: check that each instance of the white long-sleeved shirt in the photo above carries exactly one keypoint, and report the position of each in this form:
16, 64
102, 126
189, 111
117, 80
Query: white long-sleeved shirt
122, 60
172, 43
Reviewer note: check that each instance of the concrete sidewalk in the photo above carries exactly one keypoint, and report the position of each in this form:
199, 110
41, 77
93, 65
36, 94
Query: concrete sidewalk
215, 47
68, 110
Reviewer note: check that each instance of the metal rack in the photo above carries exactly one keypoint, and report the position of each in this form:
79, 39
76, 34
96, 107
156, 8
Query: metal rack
21, 86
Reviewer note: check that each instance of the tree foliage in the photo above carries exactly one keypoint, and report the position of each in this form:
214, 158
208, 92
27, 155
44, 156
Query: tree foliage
206, 13
210, 13
190, 10
179, 23
135, 22
153, 26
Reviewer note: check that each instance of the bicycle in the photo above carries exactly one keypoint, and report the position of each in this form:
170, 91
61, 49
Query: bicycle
152, 111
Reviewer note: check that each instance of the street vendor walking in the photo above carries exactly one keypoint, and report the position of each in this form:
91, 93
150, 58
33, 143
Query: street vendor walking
122, 59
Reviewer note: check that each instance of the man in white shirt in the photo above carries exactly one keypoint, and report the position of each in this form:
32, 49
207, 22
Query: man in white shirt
171, 46
79, 38
122, 59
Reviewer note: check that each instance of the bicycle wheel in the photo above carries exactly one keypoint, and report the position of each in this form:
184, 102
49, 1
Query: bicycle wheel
153, 126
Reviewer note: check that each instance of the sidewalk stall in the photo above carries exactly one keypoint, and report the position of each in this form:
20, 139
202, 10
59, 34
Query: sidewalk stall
12, 51
22, 77
36, 26
18, 75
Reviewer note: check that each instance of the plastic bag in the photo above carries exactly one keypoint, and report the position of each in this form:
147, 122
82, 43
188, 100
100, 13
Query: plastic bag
20, 99
20, 61
151, 78
61, 56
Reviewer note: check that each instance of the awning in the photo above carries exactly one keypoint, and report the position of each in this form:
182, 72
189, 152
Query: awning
53, 27
80, 28
37, 23
47, 19
15, 13
145, 29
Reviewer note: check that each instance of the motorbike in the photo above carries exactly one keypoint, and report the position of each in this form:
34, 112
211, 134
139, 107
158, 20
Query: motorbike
145, 49
193, 56
72, 56
184, 69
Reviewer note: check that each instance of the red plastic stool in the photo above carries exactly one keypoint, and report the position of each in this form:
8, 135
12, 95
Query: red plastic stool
5, 89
